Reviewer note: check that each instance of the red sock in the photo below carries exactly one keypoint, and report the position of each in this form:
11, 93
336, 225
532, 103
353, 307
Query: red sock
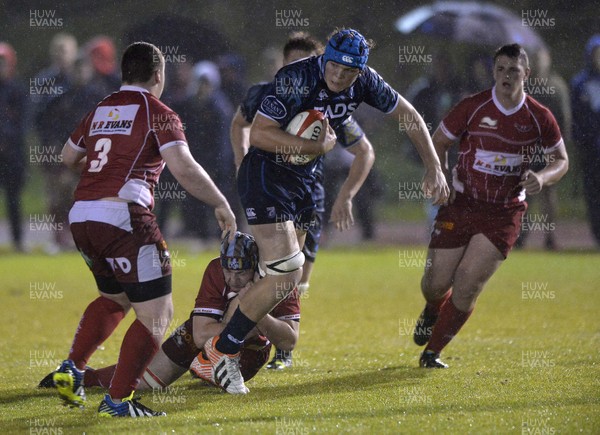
98, 378
138, 348
447, 326
434, 307
99, 320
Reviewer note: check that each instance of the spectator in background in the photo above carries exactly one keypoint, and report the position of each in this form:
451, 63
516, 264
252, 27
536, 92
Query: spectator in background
12, 157
585, 98
550, 89
206, 116
62, 115
479, 71
232, 69
56, 77
272, 62
102, 53
49, 84
433, 96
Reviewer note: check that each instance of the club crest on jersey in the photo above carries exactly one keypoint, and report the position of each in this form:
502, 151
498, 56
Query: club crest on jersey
272, 107
523, 128
113, 120
339, 110
487, 122
322, 95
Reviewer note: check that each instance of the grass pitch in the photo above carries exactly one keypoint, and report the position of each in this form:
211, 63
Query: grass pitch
526, 362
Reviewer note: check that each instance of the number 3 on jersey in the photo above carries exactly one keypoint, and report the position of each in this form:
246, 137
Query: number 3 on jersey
103, 146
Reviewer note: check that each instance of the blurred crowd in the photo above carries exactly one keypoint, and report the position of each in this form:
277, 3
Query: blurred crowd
38, 114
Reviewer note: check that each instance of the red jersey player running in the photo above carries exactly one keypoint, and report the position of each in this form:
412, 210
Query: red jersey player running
499, 131
225, 280
120, 148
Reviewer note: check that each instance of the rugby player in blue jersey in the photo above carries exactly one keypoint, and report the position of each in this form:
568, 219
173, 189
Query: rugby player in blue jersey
276, 193
350, 136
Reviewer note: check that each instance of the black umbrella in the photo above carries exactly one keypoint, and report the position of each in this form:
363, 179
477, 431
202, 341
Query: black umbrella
476, 23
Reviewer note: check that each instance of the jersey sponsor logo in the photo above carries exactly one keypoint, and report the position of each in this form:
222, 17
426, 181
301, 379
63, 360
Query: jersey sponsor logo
523, 128
250, 213
273, 107
496, 163
338, 110
487, 122
113, 120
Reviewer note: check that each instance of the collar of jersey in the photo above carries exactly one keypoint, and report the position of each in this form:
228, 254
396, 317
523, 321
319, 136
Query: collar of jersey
132, 88
502, 109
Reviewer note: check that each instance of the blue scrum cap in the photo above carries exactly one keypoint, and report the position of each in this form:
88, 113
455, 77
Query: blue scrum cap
347, 47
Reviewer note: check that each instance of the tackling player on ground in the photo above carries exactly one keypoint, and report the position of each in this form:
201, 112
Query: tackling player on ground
225, 280
276, 194
350, 136
499, 131
120, 149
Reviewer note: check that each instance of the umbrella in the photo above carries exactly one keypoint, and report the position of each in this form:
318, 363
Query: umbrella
477, 23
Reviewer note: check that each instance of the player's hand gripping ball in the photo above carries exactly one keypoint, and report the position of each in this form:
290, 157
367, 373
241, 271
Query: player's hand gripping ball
308, 125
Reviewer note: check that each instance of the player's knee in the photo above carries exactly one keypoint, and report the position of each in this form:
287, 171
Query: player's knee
433, 286
288, 344
286, 265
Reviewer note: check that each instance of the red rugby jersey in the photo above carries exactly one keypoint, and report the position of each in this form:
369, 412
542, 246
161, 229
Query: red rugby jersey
122, 138
212, 296
497, 145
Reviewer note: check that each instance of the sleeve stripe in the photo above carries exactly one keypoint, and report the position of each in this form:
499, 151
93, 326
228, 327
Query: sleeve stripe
258, 112
173, 144
75, 146
202, 310
395, 105
290, 317
447, 132
553, 147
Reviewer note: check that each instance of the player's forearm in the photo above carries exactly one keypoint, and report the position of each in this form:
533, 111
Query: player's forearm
554, 171
279, 332
422, 142
359, 170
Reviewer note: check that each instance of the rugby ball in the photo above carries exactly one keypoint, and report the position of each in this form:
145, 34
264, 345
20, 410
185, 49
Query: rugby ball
308, 125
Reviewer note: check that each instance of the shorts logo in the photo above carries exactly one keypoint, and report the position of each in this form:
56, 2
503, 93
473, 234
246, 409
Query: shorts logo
120, 263
250, 213
442, 225
271, 212
272, 107
487, 122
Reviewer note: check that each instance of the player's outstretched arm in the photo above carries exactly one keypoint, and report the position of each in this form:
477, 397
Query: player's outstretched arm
557, 167
434, 182
267, 135
195, 180
341, 212
442, 144
239, 134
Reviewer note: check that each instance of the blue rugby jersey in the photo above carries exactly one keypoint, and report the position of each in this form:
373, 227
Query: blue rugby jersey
300, 86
